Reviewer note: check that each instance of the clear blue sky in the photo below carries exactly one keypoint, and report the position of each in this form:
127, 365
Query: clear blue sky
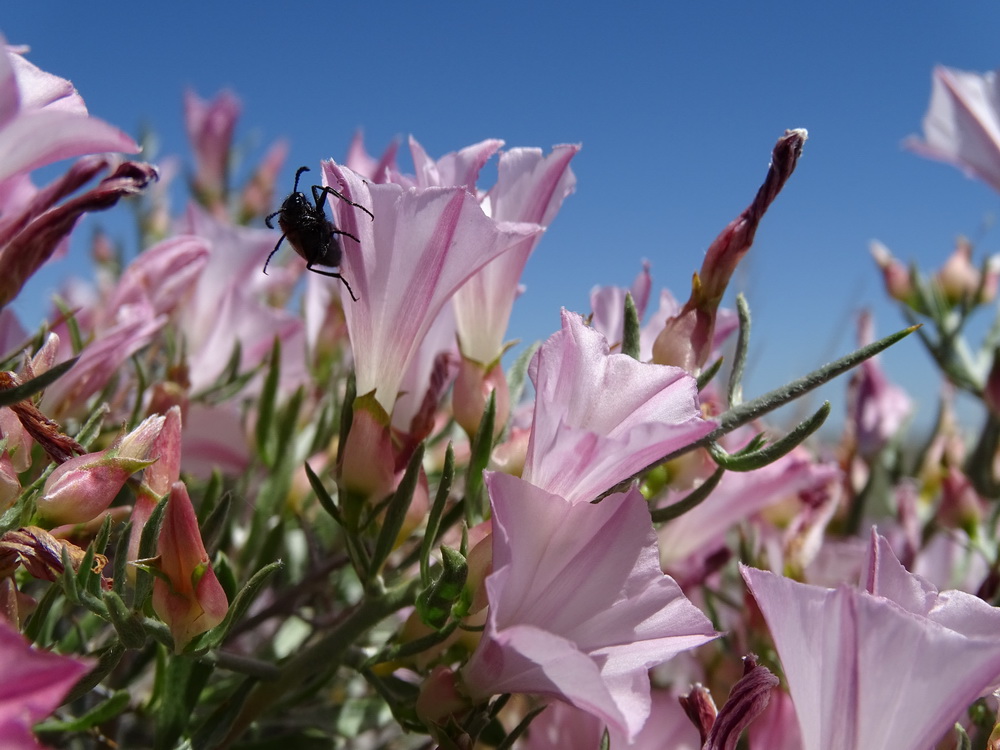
677, 106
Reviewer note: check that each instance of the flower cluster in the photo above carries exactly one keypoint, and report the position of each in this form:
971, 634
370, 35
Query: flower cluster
232, 515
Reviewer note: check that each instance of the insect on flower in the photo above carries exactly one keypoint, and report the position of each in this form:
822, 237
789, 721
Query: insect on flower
307, 230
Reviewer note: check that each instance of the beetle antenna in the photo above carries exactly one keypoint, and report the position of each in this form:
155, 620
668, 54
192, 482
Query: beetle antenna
295, 187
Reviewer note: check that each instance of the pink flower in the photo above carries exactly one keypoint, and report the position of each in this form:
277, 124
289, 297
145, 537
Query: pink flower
962, 124
157, 479
878, 408
210, 128
578, 607
530, 187
85, 486
421, 247
190, 600
374, 170
161, 276
893, 665
701, 531
135, 327
607, 303
35, 683
43, 119
457, 169
895, 275
602, 417
231, 291
33, 231
686, 339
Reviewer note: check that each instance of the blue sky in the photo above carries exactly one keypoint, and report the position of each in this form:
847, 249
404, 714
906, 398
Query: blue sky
677, 106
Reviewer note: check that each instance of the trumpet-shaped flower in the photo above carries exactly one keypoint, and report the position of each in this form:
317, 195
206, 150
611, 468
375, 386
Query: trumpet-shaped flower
457, 169
893, 665
602, 417
578, 607
962, 124
35, 683
421, 247
530, 187
43, 119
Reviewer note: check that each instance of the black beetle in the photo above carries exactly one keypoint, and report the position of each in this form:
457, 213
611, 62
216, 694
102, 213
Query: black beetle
307, 230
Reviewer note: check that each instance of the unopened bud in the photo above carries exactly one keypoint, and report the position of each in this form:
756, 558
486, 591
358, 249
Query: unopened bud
85, 486
895, 275
188, 597
471, 393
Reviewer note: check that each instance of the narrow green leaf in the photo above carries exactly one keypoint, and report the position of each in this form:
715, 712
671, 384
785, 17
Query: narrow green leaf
107, 659
482, 447
963, 742
120, 569
755, 459
216, 523
518, 372
183, 682
87, 578
72, 325
86, 435
40, 615
100, 714
347, 412
324, 497
68, 578
705, 377
437, 510
26, 390
147, 549
693, 499
266, 405
735, 391
630, 332
287, 426
396, 511
758, 407
520, 729
215, 727
213, 638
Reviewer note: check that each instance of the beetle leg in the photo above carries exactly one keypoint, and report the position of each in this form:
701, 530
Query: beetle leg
280, 240
319, 191
334, 230
331, 274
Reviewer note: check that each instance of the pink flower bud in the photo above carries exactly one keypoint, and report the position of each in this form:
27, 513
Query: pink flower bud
958, 278
509, 456
210, 126
10, 485
366, 460
894, 274
188, 598
440, 697
84, 486
166, 449
472, 391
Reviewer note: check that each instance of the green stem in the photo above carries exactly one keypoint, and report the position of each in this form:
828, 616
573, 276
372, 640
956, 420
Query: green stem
323, 656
